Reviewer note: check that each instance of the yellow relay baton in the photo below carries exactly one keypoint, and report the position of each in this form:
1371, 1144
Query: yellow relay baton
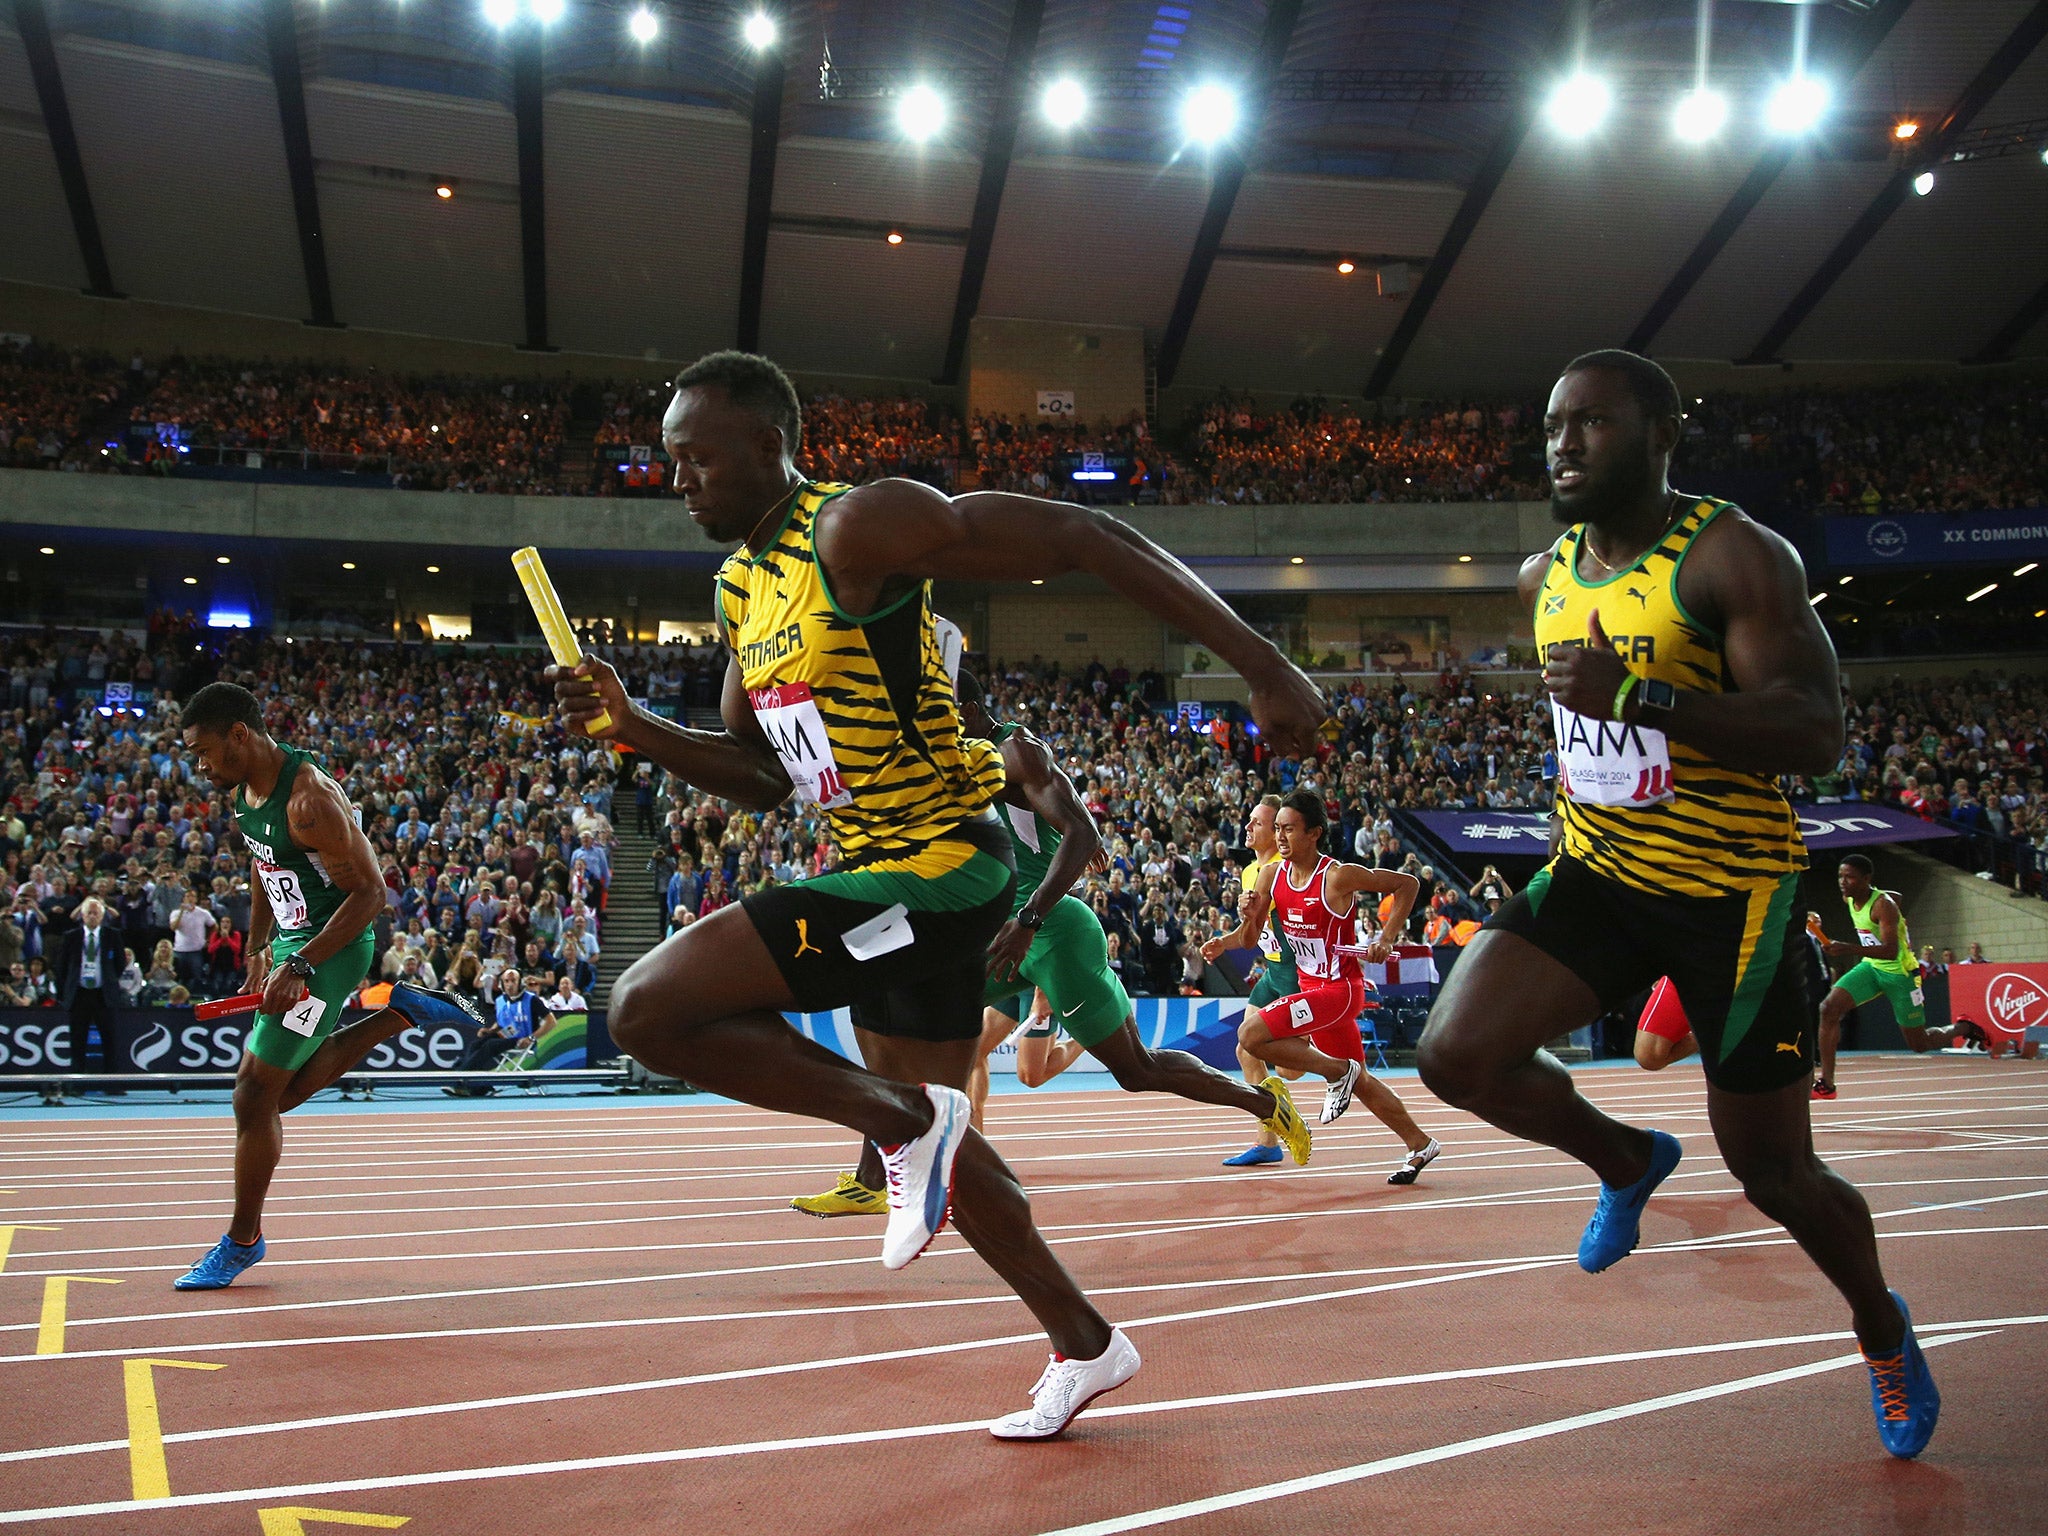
554, 623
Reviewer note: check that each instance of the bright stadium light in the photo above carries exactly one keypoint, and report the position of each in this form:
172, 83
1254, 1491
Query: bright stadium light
760, 31
1924, 183
1797, 105
1209, 114
501, 13
920, 113
643, 25
1579, 104
546, 12
1700, 115
1065, 103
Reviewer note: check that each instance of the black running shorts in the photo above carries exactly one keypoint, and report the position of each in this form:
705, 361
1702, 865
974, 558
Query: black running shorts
1739, 962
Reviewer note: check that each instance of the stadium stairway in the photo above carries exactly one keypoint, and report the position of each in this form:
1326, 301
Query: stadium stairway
633, 919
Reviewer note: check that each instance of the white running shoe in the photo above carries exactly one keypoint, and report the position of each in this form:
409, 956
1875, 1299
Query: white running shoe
1337, 1097
1412, 1167
919, 1178
1067, 1387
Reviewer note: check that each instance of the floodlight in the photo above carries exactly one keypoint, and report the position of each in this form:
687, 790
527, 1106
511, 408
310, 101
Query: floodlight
546, 12
760, 31
1209, 114
1924, 183
920, 113
1797, 105
1700, 115
643, 25
1579, 104
501, 13
1905, 129
1065, 103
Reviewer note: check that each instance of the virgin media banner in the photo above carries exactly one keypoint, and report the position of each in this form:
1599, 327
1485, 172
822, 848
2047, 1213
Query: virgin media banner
2006, 1000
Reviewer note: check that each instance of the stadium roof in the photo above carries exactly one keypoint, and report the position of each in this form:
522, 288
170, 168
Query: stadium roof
284, 158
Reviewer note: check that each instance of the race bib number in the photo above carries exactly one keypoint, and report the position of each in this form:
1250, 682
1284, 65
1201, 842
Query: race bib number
1867, 940
1604, 762
286, 896
1919, 998
1309, 955
790, 719
303, 1017
1301, 1012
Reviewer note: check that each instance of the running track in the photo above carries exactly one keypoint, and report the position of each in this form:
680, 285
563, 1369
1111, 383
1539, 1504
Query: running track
601, 1319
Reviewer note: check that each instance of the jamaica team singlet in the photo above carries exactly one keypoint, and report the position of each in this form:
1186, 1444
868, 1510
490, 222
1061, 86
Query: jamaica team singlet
859, 709
1637, 807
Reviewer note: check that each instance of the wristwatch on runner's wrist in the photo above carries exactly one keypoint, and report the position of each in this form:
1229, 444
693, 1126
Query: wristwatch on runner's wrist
1028, 918
1654, 700
299, 966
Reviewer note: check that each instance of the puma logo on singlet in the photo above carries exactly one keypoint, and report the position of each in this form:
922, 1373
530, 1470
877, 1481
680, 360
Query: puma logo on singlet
1789, 1045
1641, 597
804, 945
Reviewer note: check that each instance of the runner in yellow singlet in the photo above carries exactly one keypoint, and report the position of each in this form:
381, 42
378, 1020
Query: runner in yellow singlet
837, 691
1686, 672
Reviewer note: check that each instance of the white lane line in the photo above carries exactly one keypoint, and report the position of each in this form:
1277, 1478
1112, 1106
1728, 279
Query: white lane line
1710, 1245
925, 1431
1168, 1514
1269, 1394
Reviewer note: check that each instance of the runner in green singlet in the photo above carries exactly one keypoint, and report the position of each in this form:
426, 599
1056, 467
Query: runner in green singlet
316, 892
1054, 944
1884, 966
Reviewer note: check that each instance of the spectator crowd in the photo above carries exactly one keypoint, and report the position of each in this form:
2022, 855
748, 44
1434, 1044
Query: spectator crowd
1928, 446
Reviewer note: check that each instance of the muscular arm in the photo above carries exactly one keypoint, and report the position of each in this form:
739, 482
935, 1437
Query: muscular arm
1340, 880
889, 530
1784, 711
1252, 912
322, 823
736, 764
1885, 912
1035, 781
257, 957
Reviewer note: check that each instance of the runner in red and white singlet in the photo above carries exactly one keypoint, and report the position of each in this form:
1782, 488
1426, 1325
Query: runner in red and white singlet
1313, 899
1663, 1033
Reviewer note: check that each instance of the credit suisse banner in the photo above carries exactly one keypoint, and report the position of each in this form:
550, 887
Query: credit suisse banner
1914, 539
2005, 1000
1823, 827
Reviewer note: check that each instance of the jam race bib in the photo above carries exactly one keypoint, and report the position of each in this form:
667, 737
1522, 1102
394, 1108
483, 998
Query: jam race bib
1604, 762
789, 716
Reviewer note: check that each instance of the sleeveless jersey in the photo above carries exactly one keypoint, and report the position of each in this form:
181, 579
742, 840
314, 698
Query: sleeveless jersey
1637, 807
1312, 929
1032, 838
859, 709
1248, 877
295, 883
1901, 964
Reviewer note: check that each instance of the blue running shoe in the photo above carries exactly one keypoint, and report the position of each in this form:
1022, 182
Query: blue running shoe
1611, 1235
1252, 1157
222, 1266
426, 1007
1903, 1395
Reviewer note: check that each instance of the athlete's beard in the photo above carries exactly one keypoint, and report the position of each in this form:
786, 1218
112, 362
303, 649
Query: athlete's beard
1604, 495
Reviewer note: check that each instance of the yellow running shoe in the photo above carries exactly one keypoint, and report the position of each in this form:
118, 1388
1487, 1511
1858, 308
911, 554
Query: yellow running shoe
1286, 1121
849, 1197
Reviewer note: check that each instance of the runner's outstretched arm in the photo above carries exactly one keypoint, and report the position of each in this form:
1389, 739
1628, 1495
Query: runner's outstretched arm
878, 535
1050, 794
736, 764
1343, 880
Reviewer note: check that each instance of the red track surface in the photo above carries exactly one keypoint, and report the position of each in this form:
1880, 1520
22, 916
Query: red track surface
604, 1320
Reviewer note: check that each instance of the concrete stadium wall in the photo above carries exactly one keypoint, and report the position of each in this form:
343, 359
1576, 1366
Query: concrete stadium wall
1950, 909
1010, 361
1498, 531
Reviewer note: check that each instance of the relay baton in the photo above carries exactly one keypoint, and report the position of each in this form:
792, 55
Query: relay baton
222, 1007
554, 623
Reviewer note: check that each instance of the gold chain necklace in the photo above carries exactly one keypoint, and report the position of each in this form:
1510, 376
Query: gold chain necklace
1670, 517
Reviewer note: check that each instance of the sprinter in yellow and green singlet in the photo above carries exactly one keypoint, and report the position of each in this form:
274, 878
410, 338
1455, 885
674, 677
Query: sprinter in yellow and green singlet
1686, 673
1885, 967
838, 692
